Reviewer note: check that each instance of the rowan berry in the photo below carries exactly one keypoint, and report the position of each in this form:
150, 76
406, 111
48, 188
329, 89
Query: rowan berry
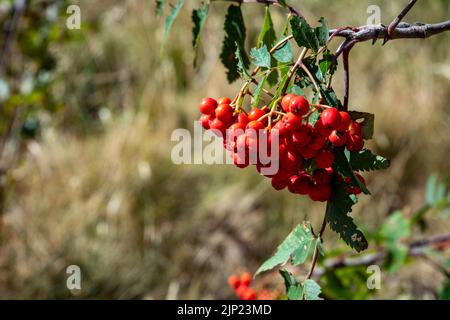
299, 105
337, 138
208, 106
324, 158
330, 118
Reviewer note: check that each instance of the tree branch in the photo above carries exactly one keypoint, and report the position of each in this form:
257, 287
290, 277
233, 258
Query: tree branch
415, 249
402, 31
399, 18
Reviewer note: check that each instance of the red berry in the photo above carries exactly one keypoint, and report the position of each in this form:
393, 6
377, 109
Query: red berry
317, 142
224, 100
246, 278
355, 128
345, 121
320, 192
254, 125
234, 281
291, 121
279, 183
242, 118
241, 160
331, 118
207, 106
321, 176
249, 294
308, 153
354, 142
320, 129
255, 114
324, 159
302, 136
281, 129
337, 138
304, 184
286, 101
218, 126
224, 113
205, 120
299, 106
240, 291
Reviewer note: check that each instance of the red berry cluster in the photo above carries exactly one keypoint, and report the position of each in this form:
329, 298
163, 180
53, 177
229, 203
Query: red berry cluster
305, 156
241, 286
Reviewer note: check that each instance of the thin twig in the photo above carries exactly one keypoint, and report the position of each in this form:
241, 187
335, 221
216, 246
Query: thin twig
399, 18
268, 2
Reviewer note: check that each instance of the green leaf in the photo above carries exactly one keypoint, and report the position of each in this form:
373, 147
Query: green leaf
241, 65
322, 32
159, 7
261, 56
326, 64
258, 91
235, 34
342, 163
365, 160
436, 191
311, 290
171, 18
267, 35
294, 290
284, 53
296, 247
303, 34
296, 90
199, 18
272, 79
396, 227
337, 217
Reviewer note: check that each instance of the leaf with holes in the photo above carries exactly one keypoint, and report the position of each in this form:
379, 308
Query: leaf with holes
303, 34
311, 290
365, 160
322, 32
337, 217
260, 56
235, 34
296, 247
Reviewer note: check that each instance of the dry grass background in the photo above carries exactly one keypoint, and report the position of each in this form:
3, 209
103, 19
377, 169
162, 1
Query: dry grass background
98, 188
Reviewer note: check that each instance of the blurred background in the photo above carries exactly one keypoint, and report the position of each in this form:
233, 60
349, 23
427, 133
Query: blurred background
87, 179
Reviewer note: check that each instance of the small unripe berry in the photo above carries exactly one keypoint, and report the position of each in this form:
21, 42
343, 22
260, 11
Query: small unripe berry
330, 118
208, 106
